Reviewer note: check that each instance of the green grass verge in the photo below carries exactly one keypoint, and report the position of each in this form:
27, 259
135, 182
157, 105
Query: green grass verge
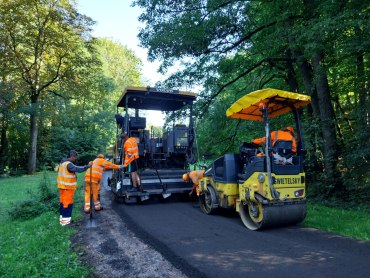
351, 223
38, 247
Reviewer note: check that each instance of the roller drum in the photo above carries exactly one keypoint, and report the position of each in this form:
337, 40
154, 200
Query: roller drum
264, 216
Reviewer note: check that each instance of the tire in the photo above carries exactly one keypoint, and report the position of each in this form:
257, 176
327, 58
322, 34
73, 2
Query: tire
208, 201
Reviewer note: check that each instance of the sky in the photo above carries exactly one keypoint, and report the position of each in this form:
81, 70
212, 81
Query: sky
117, 20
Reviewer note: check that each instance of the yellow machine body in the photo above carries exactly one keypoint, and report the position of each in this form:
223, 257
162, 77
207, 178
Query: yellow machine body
228, 193
231, 194
286, 185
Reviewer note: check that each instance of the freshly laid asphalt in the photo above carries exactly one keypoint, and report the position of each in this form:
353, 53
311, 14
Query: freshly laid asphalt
219, 245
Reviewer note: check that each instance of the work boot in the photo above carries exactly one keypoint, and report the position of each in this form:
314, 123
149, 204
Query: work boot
101, 208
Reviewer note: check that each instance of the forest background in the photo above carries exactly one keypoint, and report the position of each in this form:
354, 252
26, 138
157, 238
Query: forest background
59, 85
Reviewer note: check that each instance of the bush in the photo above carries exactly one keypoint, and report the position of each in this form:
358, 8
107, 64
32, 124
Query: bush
26, 210
46, 199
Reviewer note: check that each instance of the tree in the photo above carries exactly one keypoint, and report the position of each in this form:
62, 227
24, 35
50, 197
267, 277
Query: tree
85, 121
234, 45
44, 40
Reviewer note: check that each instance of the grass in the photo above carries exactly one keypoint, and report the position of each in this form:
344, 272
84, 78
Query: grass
351, 223
38, 247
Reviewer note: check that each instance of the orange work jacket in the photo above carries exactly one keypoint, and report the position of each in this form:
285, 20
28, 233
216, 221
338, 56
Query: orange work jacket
131, 151
195, 176
278, 135
97, 169
65, 178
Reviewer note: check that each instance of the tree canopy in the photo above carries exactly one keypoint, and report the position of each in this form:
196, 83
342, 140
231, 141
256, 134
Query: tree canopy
232, 47
59, 85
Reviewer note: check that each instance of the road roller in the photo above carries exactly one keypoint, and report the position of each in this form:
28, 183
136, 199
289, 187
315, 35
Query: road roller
264, 184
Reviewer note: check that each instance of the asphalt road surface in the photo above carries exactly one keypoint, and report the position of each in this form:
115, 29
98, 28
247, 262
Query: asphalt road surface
220, 246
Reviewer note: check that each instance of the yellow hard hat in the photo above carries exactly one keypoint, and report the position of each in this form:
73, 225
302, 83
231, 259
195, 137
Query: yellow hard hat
100, 155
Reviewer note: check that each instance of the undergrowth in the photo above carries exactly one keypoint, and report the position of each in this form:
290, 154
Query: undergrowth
44, 200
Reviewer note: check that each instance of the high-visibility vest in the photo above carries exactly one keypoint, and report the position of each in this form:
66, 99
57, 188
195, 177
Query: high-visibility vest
284, 135
65, 178
195, 176
131, 151
97, 169
278, 135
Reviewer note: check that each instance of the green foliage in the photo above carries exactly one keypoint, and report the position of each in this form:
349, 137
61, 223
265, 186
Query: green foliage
230, 48
43, 43
46, 199
27, 210
63, 84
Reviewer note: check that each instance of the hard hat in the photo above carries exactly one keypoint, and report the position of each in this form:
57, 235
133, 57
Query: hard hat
185, 177
100, 155
123, 134
290, 129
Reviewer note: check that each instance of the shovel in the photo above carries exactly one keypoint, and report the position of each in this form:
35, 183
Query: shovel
91, 223
165, 194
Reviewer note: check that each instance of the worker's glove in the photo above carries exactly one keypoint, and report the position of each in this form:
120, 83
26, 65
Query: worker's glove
121, 167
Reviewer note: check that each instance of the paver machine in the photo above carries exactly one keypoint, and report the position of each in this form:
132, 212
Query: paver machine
266, 191
163, 157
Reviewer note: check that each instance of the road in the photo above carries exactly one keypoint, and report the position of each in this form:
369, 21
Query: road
220, 246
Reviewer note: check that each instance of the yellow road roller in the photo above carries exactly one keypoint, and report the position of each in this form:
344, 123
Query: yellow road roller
265, 185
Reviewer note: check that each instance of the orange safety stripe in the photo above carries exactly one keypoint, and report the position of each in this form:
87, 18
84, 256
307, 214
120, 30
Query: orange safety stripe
65, 178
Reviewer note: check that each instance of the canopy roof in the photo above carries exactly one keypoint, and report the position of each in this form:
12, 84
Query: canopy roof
277, 101
148, 98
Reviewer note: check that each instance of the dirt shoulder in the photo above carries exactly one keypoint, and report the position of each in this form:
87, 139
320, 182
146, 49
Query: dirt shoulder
112, 250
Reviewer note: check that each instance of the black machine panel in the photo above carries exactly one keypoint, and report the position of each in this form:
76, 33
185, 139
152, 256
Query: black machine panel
137, 123
225, 168
176, 140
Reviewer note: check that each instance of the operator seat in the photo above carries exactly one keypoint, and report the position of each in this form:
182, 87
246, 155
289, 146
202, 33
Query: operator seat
283, 148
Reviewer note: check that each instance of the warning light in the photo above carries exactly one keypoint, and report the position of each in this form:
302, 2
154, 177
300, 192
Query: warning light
299, 193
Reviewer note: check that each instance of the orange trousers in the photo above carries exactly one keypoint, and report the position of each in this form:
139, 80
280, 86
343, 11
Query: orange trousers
95, 192
66, 206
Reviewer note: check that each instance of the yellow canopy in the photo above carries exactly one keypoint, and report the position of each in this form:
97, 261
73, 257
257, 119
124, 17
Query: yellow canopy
248, 106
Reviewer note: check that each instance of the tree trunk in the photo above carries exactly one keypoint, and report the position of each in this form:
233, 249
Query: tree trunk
363, 94
327, 120
3, 145
292, 79
307, 77
306, 72
33, 135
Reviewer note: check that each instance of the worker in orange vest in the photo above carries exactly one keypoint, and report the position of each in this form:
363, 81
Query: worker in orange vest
98, 166
67, 184
193, 176
131, 150
286, 134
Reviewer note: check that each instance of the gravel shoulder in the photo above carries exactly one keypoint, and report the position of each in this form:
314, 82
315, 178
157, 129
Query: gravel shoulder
112, 250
